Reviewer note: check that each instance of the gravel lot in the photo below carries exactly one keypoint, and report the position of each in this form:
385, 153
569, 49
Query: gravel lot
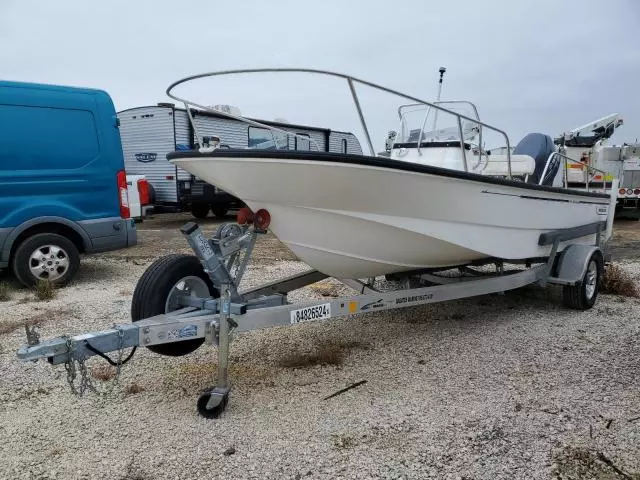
507, 386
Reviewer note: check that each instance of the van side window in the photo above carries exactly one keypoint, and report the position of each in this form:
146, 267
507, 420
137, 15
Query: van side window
263, 139
302, 143
40, 137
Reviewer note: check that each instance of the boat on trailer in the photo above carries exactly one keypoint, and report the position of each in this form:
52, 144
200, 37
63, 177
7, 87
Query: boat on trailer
330, 209
437, 201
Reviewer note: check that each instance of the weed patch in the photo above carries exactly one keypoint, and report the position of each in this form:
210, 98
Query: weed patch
617, 281
44, 290
5, 292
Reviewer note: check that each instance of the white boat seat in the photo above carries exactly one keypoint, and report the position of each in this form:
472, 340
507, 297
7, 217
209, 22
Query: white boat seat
497, 165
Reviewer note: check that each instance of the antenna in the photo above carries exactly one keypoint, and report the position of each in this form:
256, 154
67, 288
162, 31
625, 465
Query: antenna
435, 116
442, 70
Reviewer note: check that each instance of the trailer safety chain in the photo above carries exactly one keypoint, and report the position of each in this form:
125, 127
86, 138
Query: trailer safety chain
70, 367
85, 380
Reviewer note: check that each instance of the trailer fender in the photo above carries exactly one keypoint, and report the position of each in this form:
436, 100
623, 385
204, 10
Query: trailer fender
573, 262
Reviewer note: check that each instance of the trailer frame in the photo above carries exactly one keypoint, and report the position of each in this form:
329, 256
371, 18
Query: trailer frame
224, 259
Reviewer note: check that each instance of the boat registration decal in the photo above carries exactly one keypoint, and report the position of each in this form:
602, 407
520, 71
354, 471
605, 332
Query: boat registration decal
317, 312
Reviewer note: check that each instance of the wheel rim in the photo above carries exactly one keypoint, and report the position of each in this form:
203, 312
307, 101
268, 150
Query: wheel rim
591, 280
191, 286
49, 262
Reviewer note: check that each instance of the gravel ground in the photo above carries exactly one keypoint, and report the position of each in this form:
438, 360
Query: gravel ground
506, 386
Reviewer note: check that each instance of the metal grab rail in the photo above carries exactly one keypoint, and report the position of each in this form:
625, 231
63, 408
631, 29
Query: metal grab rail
350, 80
566, 179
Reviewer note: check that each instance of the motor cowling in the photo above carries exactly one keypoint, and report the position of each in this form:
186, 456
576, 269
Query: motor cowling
539, 147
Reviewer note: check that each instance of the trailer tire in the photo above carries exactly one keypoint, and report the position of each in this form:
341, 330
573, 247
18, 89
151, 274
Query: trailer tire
154, 288
583, 295
200, 210
220, 211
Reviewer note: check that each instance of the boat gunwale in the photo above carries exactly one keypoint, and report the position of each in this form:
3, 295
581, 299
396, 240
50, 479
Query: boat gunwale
382, 162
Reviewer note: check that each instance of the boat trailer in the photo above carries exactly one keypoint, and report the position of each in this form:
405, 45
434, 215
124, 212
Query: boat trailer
183, 301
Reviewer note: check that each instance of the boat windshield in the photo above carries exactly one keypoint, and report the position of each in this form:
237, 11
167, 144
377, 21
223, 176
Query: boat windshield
423, 123
265, 139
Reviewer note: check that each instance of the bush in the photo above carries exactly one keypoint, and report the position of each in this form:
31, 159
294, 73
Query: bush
45, 290
617, 281
5, 292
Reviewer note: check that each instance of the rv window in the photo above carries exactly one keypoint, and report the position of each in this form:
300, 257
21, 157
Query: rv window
263, 139
303, 144
344, 145
38, 138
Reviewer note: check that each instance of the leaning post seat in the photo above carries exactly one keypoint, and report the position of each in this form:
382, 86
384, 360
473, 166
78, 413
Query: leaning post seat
539, 147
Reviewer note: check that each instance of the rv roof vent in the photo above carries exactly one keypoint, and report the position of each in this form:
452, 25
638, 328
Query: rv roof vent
227, 109
166, 104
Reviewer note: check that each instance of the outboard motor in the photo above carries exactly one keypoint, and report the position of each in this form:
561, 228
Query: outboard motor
539, 146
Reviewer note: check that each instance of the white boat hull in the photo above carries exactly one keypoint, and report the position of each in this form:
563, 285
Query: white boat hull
350, 220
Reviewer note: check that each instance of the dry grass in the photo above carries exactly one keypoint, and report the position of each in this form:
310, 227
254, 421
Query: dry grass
576, 463
134, 472
8, 326
56, 452
343, 441
103, 372
191, 378
45, 290
134, 388
324, 353
5, 292
617, 281
326, 288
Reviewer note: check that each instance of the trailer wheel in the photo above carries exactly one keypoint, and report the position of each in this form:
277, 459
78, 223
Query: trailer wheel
200, 210
583, 296
158, 290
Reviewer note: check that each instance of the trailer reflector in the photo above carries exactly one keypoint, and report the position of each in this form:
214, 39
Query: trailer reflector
262, 219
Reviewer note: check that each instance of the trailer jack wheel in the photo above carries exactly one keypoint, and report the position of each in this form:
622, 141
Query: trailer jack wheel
212, 404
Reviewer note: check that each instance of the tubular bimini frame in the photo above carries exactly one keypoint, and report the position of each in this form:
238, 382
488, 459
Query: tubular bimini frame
351, 81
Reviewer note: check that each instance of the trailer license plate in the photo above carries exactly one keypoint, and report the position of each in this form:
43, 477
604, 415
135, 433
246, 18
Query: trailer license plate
317, 312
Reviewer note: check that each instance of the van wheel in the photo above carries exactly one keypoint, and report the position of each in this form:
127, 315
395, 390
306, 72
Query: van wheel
46, 256
200, 210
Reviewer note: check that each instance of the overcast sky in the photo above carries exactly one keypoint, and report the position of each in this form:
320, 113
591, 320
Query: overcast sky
538, 65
